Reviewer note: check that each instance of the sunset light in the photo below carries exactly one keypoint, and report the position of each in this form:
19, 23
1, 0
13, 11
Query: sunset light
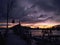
40, 25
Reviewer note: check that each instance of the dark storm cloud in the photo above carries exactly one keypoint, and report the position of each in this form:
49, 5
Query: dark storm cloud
32, 10
3, 8
57, 4
49, 6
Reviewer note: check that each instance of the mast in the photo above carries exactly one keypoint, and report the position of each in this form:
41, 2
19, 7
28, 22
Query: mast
7, 19
9, 6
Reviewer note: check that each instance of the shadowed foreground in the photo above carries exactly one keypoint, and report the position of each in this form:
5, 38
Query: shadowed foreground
13, 39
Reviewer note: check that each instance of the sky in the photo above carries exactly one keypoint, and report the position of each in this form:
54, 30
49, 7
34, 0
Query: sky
31, 11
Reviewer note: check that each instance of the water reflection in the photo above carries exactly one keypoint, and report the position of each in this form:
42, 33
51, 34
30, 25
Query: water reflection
40, 33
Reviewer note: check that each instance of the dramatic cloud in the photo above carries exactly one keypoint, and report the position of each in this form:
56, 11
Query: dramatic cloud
33, 10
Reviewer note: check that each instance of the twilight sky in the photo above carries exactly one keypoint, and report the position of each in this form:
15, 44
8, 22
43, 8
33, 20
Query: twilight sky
31, 11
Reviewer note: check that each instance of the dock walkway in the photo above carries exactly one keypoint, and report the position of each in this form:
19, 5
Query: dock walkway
13, 39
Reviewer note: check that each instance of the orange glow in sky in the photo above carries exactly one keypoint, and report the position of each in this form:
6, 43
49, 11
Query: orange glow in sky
9, 25
32, 25
40, 25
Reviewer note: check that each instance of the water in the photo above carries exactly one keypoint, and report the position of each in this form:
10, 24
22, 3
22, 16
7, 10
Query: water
40, 33
13, 40
46, 40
